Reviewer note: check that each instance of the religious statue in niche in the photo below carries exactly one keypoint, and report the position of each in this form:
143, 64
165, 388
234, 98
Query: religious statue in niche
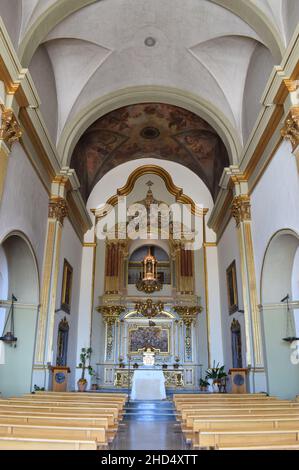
66, 291
232, 291
236, 344
62, 343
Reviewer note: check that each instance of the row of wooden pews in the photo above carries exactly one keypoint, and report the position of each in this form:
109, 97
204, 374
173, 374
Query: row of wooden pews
238, 422
60, 421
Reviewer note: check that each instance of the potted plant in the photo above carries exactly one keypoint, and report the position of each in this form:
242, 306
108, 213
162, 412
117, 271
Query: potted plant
216, 375
176, 365
203, 385
121, 364
135, 366
84, 357
94, 385
164, 366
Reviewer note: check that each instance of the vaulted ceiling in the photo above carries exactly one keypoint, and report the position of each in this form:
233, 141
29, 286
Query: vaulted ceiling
219, 53
149, 130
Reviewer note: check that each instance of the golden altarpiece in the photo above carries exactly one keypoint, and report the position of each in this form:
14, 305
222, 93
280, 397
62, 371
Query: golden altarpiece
154, 308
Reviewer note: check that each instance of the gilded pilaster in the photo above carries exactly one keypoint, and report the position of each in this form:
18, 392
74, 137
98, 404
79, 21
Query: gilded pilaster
10, 132
241, 211
57, 211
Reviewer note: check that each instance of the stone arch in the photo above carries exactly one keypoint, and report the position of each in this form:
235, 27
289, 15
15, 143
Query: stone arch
276, 283
23, 282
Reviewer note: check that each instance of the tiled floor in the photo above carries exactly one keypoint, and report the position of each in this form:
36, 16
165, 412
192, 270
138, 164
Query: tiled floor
149, 425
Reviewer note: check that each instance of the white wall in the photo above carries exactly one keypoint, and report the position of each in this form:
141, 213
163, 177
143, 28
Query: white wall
24, 205
274, 203
71, 250
228, 251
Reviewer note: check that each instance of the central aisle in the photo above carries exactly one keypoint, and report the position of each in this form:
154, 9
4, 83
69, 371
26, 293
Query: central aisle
149, 425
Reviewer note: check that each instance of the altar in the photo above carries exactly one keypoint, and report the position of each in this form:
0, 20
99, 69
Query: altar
148, 385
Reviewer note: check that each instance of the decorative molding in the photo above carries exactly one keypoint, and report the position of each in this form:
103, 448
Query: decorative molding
290, 130
57, 209
240, 208
10, 130
170, 186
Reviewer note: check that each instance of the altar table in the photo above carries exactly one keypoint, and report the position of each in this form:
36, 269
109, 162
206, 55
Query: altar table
148, 385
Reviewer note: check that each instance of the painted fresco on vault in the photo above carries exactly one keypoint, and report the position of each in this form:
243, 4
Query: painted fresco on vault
149, 130
145, 336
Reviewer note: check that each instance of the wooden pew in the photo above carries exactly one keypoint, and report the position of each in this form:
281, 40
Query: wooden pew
27, 408
14, 443
210, 439
265, 414
64, 403
58, 414
256, 423
54, 432
73, 421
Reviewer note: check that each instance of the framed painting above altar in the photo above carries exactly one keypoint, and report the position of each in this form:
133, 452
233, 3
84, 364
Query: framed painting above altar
148, 336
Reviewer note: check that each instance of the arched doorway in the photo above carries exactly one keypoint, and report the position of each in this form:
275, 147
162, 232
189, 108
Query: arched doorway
19, 276
279, 298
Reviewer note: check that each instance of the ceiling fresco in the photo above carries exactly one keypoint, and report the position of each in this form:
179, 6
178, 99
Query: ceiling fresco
149, 130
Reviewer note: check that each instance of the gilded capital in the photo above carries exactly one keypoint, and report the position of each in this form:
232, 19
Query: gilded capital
188, 313
290, 130
110, 313
10, 130
57, 209
240, 208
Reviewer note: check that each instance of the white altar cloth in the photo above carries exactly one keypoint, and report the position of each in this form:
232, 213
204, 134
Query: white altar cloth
148, 385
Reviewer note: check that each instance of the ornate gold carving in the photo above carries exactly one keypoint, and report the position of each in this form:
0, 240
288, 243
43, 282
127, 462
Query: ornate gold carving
240, 208
57, 209
149, 309
187, 313
290, 130
170, 186
10, 130
291, 85
110, 313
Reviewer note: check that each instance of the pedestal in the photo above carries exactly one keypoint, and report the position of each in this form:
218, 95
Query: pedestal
238, 377
59, 378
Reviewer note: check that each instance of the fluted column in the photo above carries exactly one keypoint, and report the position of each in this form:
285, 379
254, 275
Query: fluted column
10, 132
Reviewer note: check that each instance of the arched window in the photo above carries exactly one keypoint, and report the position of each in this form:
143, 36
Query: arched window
62, 342
236, 344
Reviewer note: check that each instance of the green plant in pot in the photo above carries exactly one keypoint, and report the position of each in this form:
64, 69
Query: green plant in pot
121, 364
203, 385
216, 375
84, 358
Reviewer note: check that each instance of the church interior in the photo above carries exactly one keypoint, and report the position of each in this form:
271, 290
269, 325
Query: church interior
149, 224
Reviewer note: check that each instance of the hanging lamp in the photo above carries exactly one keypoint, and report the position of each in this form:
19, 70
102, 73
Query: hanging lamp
9, 336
